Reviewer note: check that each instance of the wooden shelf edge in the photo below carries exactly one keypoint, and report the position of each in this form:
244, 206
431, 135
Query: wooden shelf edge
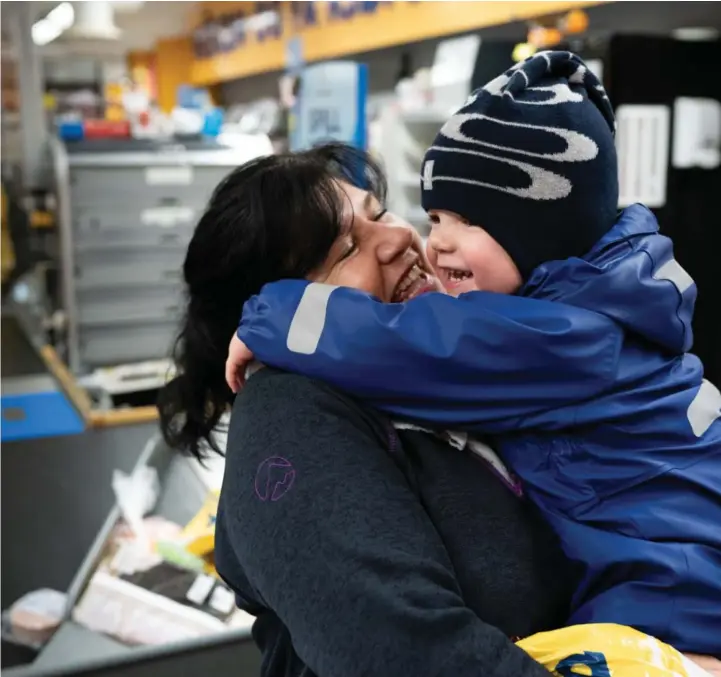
130, 416
82, 402
57, 368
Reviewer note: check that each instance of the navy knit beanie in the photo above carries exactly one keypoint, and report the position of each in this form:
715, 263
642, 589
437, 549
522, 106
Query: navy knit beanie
530, 158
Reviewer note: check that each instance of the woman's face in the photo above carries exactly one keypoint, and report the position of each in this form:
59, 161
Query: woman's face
377, 252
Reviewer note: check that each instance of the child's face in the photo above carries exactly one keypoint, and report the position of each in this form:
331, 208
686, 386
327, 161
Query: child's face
466, 258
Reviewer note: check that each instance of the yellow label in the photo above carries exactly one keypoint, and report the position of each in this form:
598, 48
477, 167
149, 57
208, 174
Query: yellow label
203, 524
202, 545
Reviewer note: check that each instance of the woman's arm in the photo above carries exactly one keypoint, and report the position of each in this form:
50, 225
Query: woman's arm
328, 532
486, 360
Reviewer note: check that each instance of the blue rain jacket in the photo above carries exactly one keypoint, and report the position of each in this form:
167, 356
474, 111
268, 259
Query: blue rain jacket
584, 383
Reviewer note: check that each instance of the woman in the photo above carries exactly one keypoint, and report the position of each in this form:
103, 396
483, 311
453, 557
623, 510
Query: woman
362, 549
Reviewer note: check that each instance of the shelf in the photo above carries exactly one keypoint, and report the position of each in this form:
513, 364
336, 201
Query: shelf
109, 247
99, 285
140, 318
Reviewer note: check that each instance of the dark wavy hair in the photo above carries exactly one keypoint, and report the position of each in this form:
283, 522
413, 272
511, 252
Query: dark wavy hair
272, 218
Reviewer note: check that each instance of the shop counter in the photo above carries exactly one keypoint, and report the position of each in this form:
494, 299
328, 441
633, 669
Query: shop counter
77, 650
56, 494
35, 403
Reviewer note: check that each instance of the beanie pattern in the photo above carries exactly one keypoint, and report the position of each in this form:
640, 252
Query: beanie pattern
530, 158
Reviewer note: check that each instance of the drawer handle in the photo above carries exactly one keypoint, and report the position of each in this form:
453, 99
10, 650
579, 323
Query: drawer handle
169, 237
171, 274
172, 310
169, 201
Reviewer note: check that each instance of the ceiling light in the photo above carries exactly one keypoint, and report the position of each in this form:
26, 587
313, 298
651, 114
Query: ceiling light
62, 16
57, 21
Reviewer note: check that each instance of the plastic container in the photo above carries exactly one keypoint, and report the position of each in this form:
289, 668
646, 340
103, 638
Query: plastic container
35, 617
106, 129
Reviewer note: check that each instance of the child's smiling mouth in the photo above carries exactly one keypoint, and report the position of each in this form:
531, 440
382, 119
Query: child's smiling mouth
456, 280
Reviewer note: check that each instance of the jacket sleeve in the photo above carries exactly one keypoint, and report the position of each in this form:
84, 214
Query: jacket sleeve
482, 360
332, 539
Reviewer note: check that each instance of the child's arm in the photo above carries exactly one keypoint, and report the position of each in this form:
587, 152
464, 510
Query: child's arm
483, 359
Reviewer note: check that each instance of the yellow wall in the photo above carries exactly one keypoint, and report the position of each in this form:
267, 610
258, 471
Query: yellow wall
217, 8
173, 64
401, 22
392, 23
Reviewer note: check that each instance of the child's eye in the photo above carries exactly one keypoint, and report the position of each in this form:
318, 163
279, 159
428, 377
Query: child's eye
380, 215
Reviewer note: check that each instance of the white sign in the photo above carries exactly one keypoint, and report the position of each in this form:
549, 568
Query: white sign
642, 143
696, 133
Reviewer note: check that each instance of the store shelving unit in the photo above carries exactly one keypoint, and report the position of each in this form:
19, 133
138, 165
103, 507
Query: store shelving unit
127, 210
10, 129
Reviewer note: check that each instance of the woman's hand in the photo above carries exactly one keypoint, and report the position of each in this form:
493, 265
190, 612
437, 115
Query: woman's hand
239, 357
711, 665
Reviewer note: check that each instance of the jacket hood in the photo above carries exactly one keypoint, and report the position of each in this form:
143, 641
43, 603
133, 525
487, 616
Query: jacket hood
631, 276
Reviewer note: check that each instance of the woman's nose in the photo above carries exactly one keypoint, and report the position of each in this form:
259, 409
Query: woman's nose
393, 240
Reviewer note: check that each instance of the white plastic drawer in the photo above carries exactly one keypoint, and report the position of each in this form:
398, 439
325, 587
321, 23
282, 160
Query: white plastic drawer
110, 267
113, 221
118, 344
128, 240
122, 304
144, 186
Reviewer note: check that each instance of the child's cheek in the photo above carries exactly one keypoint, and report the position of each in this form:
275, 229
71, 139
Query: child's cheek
432, 256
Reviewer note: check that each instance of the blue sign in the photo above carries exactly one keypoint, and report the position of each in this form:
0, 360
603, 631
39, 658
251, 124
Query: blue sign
331, 105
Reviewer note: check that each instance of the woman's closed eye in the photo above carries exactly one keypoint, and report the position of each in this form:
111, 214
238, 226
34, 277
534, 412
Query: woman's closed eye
353, 245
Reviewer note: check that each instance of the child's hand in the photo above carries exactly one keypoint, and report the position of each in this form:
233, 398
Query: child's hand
239, 357
711, 665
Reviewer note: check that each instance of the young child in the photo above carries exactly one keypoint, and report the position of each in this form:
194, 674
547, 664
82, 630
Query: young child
521, 186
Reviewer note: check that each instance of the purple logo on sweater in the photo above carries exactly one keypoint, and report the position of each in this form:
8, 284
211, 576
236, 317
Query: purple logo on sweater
274, 478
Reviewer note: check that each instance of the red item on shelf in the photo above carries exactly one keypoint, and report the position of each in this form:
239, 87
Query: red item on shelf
106, 129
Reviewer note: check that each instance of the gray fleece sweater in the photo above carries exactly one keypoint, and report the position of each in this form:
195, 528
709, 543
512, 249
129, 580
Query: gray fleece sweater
366, 552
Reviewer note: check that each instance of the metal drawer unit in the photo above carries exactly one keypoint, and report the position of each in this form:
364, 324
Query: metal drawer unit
127, 212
